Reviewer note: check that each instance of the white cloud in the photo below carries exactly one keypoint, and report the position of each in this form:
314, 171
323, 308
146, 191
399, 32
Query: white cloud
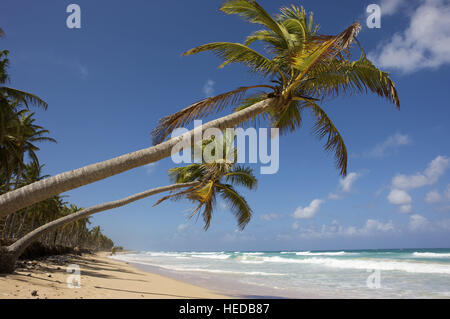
270, 217
418, 222
334, 196
433, 197
401, 183
406, 209
347, 182
181, 227
375, 225
208, 88
425, 44
295, 225
430, 176
371, 227
308, 211
399, 197
391, 143
390, 7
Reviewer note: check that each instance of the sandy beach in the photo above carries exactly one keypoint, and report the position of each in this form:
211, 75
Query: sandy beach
101, 277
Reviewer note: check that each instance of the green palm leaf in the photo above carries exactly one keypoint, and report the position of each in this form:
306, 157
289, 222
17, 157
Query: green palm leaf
24, 97
289, 118
324, 127
321, 48
360, 76
237, 204
237, 53
242, 175
198, 110
251, 11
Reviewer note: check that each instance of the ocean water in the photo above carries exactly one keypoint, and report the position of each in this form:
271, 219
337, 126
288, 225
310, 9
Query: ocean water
393, 273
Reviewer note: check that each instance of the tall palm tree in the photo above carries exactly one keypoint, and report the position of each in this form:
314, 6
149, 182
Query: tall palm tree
306, 67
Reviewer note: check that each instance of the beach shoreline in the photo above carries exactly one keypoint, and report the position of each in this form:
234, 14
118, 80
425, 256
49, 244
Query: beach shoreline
100, 278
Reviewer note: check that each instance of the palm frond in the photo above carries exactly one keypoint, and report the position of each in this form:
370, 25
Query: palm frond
237, 53
324, 127
185, 174
206, 196
361, 76
198, 110
249, 101
321, 48
242, 175
305, 23
176, 196
251, 11
24, 97
274, 44
289, 118
237, 203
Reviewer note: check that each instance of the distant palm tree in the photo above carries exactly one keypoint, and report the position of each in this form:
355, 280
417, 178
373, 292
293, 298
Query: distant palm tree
27, 134
306, 67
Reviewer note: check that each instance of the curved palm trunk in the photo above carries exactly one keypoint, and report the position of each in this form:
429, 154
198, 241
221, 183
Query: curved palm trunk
9, 255
38, 191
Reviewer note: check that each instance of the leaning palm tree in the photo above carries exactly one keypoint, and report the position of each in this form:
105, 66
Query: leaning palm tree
201, 182
306, 68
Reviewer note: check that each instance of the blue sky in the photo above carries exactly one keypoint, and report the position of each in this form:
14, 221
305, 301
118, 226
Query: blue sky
109, 82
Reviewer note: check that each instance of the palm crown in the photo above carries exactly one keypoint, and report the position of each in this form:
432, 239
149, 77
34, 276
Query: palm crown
305, 68
215, 177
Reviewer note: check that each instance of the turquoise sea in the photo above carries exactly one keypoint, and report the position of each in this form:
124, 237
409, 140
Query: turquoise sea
383, 273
